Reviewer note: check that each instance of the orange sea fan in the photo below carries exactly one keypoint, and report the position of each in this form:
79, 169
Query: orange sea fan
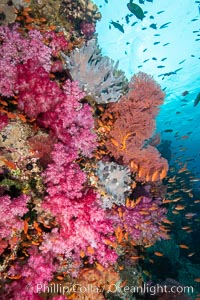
145, 92
149, 164
134, 125
129, 132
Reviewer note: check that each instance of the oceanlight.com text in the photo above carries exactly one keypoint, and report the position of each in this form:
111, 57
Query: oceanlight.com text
113, 288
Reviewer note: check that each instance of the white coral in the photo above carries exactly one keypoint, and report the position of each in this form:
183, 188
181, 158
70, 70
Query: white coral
97, 74
114, 182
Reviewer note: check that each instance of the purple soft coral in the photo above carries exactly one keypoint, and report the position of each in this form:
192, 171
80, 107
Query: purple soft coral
142, 220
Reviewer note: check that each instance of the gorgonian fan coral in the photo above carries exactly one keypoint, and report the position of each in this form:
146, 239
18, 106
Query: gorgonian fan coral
134, 125
145, 93
97, 74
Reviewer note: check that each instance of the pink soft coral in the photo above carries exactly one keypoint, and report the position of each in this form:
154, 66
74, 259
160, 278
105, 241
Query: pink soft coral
82, 222
3, 121
37, 93
35, 276
56, 42
83, 227
71, 121
16, 49
63, 177
11, 212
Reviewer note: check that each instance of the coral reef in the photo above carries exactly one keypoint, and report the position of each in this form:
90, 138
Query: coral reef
142, 219
80, 10
80, 181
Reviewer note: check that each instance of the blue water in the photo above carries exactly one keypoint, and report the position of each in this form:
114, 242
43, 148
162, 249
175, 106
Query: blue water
170, 54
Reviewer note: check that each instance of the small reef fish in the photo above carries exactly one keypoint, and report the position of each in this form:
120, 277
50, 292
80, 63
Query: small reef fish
185, 93
182, 61
196, 101
190, 215
15, 277
183, 246
25, 226
134, 23
186, 227
118, 26
9, 164
153, 25
136, 10
166, 44
160, 12
158, 253
180, 207
165, 25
